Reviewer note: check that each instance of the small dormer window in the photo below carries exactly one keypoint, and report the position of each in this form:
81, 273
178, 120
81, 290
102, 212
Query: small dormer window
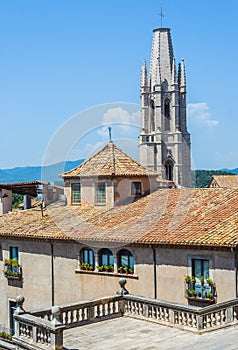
76, 193
136, 188
101, 193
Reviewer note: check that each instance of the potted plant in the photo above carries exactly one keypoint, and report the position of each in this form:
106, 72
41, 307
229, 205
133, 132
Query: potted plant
100, 268
209, 295
111, 268
126, 270
202, 280
120, 269
131, 270
209, 282
90, 268
8, 262
187, 279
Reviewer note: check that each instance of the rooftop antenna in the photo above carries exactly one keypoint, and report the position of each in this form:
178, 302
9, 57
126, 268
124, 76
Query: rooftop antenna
110, 133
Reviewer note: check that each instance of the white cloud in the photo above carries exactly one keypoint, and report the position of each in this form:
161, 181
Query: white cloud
121, 118
199, 115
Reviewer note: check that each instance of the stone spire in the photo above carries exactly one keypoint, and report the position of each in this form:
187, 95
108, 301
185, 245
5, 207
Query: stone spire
161, 55
144, 77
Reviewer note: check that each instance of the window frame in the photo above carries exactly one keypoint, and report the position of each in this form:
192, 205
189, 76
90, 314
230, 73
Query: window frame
134, 189
108, 255
72, 193
200, 257
130, 258
11, 250
97, 194
89, 259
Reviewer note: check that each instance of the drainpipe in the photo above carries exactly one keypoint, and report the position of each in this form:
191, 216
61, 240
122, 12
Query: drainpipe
155, 276
235, 271
52, 274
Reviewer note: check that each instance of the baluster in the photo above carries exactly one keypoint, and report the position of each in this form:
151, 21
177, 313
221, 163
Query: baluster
180, 318
72, 316
77, 315
27, 332
235, 313
218, 318
114, 307
167, 315
103, 310
194, 321
66, 319
189, 323
176, 317
205, 321
223, 312
209, 321
46, 338
98, 311
41, 337
140, 309
213, 317
83, 313
162, 314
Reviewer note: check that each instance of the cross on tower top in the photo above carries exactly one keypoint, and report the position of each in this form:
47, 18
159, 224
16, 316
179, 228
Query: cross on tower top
161, 17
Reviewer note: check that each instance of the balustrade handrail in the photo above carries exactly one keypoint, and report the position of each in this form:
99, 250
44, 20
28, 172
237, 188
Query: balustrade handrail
35, 321
182, 307
76, 305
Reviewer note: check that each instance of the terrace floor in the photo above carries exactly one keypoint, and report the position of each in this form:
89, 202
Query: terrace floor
133, 334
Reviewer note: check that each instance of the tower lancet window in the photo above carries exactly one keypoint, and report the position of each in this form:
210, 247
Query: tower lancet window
167, 115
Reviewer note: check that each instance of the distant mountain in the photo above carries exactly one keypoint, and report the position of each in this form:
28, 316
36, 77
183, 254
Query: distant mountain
233, 171
30, 173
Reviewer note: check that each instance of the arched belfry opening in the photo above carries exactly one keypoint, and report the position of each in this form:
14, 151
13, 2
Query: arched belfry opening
169, 169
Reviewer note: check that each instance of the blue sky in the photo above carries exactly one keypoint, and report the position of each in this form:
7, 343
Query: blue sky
59, 58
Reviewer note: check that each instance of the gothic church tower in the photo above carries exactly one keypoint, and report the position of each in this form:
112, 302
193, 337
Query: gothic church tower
164, 142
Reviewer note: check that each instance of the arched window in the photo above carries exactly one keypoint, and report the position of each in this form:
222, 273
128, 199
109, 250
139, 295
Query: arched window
125, 259
169, 169
87, 257
106, 257
167, 115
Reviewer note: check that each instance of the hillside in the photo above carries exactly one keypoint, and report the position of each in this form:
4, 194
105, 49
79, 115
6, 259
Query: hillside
30, 173
201, 178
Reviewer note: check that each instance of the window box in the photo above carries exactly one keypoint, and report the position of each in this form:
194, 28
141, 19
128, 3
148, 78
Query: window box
12, 270
106, 268
201, 289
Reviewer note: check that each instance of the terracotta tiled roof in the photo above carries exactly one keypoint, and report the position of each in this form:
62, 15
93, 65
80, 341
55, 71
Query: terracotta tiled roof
109, 161
226, 181
176, 217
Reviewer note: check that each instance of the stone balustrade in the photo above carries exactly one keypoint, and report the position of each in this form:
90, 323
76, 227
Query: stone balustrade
182, 316
77, 314
44, 329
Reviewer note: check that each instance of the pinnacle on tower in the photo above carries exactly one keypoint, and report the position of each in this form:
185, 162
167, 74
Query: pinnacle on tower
183, 77
174, 74
144, 77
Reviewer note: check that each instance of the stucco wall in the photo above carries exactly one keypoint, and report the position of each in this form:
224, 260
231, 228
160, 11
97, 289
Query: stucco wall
72, 286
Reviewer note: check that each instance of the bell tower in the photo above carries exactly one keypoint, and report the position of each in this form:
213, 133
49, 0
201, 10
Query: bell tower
164, 142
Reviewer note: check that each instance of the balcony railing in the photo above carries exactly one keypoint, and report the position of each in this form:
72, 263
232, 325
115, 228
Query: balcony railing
44, 329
